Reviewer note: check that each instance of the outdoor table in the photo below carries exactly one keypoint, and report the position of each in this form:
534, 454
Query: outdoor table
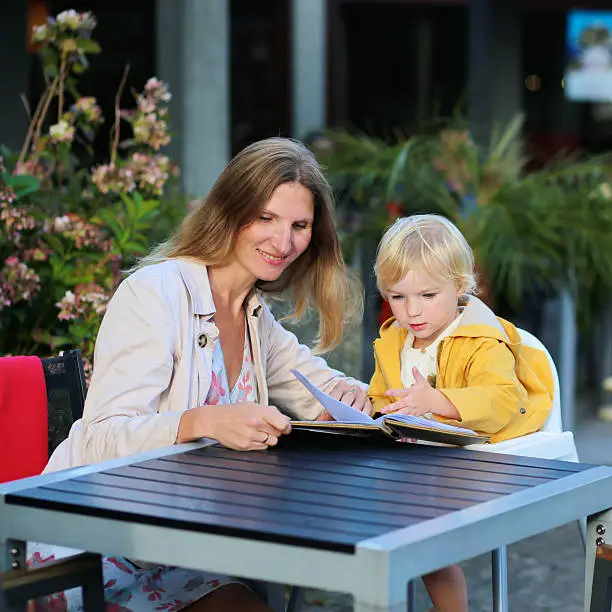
335, 514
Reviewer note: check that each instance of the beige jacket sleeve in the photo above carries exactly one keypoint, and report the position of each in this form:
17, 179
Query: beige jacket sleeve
133, 369
282, 353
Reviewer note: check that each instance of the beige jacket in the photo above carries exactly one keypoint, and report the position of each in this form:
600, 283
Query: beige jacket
153, 361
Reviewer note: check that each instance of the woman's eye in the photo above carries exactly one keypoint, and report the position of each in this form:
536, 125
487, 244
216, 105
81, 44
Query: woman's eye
265, 218
301, 226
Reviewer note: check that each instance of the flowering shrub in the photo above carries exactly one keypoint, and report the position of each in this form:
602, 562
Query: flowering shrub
67, 228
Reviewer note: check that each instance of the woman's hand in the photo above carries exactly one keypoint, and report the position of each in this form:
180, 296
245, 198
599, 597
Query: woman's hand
352, 395
421, 399
245, 426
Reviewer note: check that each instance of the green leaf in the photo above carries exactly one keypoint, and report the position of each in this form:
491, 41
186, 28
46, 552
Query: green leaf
135, 247
398, 169
56, 342
22, 184
55, 243
88, 45
116, 226
131, 205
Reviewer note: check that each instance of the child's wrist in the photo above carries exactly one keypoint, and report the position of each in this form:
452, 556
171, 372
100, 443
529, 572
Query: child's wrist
443, 407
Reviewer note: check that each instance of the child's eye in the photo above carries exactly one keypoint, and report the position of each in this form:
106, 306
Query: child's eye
429, 296
395, 298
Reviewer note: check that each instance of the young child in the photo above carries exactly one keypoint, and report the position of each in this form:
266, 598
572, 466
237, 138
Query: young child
446, 356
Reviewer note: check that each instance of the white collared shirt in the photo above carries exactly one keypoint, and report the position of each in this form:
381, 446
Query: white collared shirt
425, 359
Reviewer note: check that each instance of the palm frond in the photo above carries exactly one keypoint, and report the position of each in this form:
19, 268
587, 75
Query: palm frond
528, 228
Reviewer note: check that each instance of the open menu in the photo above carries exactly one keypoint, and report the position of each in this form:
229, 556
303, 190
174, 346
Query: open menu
351, 422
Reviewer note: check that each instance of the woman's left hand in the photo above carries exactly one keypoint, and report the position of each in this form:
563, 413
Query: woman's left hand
353, 395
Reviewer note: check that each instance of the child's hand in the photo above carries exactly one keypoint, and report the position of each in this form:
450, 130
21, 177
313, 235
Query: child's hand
420, 399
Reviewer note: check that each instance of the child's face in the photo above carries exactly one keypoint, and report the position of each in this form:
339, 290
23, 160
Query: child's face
424, 305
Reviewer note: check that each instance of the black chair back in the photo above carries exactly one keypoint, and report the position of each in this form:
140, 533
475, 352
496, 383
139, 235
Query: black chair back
66, 390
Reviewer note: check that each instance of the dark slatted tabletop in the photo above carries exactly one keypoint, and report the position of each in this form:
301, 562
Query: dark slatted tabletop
315, 496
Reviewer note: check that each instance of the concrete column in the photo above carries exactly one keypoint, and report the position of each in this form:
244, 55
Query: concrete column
169, 67
495, 76
193, 57
14, 68
309, 63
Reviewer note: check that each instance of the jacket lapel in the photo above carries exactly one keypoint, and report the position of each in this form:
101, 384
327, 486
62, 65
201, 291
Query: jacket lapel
253, 309
195, 277
387, 350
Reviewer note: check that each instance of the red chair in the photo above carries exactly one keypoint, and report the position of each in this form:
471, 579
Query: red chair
39, 401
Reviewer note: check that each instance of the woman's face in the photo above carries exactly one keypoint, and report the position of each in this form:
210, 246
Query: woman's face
281, 233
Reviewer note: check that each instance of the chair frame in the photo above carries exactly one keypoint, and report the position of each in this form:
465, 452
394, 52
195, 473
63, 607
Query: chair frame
552, 426
67, 363
83, 570
601, 592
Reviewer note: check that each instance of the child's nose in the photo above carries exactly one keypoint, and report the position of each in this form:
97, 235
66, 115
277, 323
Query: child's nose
413, 308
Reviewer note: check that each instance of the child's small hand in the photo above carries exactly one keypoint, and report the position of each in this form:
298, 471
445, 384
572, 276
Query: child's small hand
420, 399
415, 400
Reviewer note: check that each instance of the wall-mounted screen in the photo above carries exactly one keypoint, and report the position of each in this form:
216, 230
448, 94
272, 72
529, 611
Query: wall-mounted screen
588, 72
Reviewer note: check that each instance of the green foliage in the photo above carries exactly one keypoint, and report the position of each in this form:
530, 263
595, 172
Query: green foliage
529, 228
67, 229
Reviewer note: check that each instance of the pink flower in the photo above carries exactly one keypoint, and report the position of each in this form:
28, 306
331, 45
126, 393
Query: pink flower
7, 195
119, 565
151, 130
62, 131
158, 90
89, 109
18, 282
87, 301
78, 230
108, 178
216, 391
36, 559
71, 20
14, 220
150, 172
30, 167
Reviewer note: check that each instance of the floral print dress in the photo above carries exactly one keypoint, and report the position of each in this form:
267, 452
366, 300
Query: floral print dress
129, 588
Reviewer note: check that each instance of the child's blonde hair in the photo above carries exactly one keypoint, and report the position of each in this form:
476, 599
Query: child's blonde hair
424, 242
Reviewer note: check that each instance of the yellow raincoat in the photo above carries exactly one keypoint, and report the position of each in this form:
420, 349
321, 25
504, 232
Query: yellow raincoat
499, 386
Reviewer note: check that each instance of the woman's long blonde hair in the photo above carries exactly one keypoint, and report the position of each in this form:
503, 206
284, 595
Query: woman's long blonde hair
319, 277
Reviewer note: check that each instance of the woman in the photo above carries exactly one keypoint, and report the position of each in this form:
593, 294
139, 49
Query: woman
188, 348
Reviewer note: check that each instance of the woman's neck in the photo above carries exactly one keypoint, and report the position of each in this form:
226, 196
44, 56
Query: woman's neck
228, 289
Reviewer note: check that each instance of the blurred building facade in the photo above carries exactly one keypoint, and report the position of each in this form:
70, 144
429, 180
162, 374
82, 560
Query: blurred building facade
242, 70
